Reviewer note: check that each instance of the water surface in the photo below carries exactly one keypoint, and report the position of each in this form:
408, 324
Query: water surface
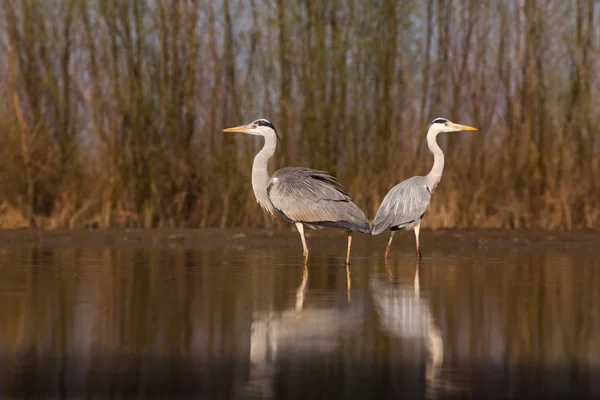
235, 315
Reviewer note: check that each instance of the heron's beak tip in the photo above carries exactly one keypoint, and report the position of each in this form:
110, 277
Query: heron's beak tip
241, 128
465, 127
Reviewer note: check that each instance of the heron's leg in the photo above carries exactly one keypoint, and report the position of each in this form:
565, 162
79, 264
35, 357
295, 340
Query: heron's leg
300, 228
349, 247
389, 245
417, 229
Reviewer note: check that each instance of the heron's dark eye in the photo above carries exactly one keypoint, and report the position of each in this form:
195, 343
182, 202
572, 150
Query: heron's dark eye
254, 126
446, 124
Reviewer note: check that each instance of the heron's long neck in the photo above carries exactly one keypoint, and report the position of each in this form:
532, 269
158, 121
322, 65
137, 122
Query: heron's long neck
435, 175
260, 173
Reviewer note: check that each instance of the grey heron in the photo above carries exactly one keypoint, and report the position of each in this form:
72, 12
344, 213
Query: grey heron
302, 196
404, 206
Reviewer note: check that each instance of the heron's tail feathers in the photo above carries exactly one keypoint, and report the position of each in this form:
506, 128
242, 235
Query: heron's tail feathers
357, 219
362, 227
381, 222
354, 219
377, 229
344, 215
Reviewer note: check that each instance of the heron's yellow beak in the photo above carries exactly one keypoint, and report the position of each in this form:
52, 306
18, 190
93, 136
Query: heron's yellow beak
241, 128
463, 127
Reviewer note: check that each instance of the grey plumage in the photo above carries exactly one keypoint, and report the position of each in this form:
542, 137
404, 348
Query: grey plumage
403, 207
315, 199
303, 196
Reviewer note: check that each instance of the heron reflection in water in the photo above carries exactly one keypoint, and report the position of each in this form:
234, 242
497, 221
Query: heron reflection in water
404, 313
298, 332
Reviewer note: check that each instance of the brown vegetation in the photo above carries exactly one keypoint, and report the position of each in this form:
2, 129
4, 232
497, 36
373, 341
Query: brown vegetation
111, 111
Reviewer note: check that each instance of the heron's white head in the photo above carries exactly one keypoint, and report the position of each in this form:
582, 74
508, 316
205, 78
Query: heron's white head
440, 125
260, 127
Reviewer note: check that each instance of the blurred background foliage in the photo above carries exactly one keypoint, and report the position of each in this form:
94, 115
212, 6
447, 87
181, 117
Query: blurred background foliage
111, 110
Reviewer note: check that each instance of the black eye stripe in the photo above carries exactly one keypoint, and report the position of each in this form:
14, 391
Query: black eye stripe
440, 121
264, 122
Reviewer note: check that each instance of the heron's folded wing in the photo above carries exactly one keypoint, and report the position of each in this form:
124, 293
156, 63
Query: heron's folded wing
308, 195
404, 204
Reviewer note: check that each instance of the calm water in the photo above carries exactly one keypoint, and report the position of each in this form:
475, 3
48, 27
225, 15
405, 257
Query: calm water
234, 314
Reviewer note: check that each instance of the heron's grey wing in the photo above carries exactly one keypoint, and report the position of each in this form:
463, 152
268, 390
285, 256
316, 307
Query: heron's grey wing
314, 198
403, 206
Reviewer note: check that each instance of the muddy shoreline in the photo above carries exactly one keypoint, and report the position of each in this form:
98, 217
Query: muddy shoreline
190, 238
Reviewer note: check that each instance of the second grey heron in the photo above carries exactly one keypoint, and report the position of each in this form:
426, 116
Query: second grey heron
302, 196
404, 206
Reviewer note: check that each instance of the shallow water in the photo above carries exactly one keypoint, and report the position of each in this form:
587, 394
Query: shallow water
234, 314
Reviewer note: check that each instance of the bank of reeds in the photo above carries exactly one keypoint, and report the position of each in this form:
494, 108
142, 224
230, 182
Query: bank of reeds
111, 111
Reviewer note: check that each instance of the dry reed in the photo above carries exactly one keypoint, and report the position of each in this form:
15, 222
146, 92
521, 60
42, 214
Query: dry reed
111, 111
